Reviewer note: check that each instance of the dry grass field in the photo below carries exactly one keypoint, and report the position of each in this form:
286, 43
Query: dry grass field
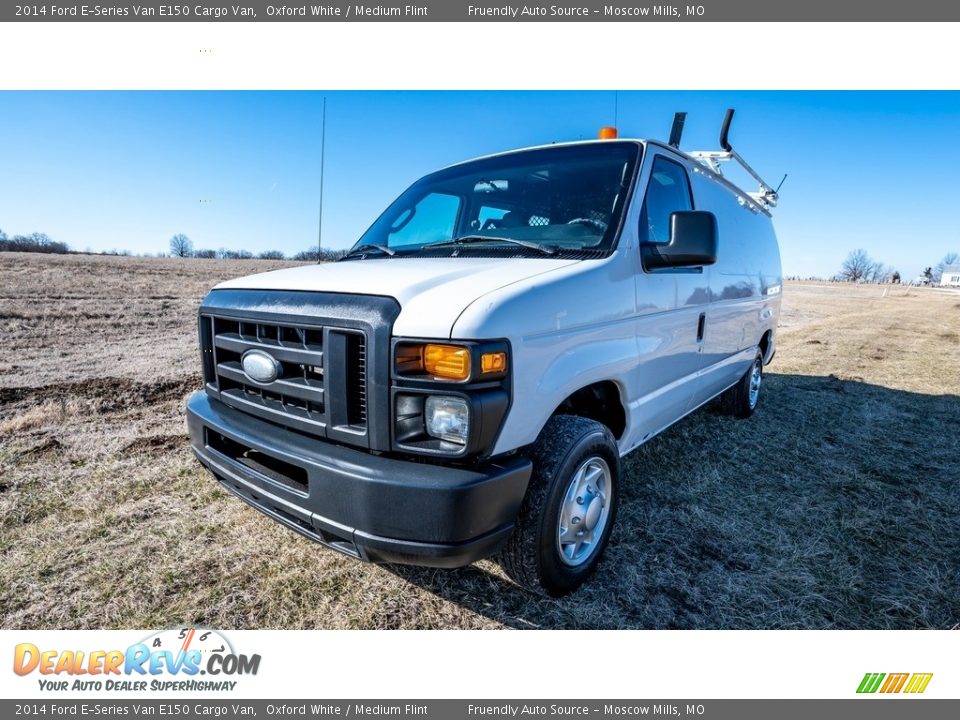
835, 506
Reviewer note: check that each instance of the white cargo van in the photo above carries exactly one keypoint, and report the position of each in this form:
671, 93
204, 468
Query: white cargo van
465, 381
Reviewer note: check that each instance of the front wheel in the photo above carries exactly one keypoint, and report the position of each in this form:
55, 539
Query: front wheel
568, 513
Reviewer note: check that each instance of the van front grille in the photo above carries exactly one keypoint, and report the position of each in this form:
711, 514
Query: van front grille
299, 397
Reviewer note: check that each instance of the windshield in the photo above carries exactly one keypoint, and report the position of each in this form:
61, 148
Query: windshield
568, 200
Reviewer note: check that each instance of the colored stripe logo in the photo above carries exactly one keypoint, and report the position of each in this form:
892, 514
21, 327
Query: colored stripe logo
912, 683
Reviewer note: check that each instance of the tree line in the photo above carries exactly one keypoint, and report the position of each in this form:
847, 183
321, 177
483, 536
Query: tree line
34, 242
860, 267
181, 246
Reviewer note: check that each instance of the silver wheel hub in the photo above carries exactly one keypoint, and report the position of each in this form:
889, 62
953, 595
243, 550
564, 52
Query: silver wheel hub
584, 512
756, 377
593, 513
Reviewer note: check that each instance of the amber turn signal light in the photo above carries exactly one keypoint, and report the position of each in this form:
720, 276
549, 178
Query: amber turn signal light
493, 362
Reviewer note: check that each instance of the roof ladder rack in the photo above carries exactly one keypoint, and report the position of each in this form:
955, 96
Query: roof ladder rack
766, 196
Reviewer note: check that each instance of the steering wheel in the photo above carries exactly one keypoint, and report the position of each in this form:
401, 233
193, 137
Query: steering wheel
590, 222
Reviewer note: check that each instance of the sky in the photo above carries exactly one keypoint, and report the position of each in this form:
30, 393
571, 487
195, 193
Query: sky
128, 169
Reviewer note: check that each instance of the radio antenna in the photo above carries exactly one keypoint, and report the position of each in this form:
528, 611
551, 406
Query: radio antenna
323, 148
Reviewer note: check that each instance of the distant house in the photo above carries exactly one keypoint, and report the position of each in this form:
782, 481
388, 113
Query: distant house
951, 276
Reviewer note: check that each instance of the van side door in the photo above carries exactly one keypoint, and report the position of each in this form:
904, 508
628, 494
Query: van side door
671, 306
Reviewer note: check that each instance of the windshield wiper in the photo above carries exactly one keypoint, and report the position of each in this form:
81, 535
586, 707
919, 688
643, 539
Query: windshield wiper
470, 239
369, 247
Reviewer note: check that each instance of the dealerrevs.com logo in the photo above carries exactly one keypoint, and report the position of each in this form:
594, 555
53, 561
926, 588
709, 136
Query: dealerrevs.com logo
909, 683
169, 660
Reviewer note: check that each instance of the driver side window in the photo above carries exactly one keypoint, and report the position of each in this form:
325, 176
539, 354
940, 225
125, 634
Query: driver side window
667, 192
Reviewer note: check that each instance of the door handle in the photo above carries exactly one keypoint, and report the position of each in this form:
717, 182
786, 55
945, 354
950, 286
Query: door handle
700, 325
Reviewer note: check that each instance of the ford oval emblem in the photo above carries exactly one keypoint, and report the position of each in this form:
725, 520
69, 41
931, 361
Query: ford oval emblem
260, 366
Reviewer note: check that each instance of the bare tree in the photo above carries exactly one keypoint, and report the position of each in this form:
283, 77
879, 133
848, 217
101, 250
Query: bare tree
318, 255
41, 240
311, 255
205, 254
226, 254
948, 259
859, 267
881, 273
271, 255
181, 246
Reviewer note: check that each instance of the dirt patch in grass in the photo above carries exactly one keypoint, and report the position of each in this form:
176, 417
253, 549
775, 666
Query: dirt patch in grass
833, 507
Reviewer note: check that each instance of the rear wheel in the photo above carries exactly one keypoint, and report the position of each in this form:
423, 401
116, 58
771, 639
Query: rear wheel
568, 513
742, 399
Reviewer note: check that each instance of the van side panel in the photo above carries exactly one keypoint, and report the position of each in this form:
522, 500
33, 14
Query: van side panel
745, 285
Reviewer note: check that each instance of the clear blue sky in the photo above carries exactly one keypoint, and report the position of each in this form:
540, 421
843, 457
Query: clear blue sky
127, 170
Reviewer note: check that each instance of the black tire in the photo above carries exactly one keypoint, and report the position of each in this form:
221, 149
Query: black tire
737, 400
532, 555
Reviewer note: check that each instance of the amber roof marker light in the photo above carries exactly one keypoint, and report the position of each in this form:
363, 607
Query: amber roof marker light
607, 133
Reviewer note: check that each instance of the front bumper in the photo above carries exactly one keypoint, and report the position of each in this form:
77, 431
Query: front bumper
367, 506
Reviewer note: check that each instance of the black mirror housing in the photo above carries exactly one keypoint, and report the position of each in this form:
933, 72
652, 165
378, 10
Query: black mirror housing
693, 242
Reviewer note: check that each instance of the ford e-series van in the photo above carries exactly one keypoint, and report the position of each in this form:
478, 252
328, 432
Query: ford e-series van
464, 382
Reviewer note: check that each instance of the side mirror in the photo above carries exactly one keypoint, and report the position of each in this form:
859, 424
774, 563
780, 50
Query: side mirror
693, 242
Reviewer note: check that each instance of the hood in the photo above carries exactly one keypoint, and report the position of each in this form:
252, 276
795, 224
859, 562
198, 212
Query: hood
432, 292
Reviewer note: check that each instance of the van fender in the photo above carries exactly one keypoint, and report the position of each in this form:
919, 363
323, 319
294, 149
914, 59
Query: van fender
559, 367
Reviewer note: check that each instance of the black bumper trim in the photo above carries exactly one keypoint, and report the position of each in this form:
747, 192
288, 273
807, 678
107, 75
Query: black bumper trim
367, 506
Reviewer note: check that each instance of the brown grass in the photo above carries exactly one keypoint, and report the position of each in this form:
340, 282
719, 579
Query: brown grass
835, 506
